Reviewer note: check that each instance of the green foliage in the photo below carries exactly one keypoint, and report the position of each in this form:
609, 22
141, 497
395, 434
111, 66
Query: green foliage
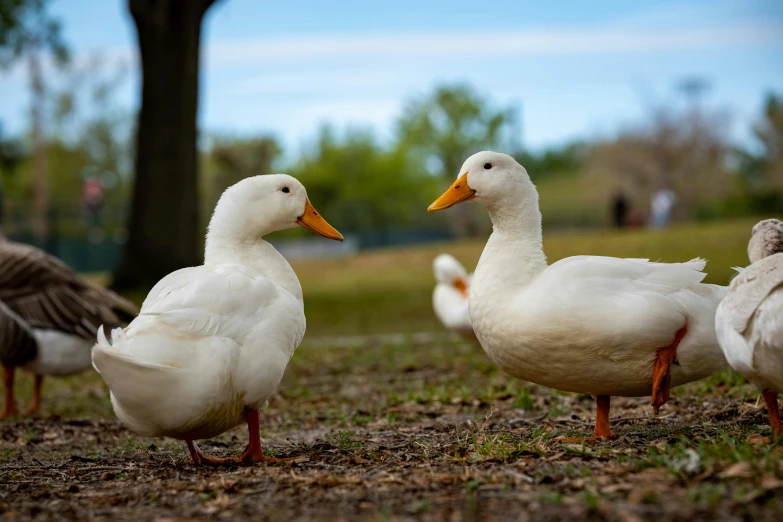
446, 127
759, 187
90, 137
25, 26
564, 160
230, 160
360, 186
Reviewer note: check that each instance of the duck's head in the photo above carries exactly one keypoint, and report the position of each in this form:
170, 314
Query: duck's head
486, 177
447, 269
766, 239
259, 205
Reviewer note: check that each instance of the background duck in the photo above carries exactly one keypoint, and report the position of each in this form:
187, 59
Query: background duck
450, 296
587, 324
48, 318
212, 342
749, 321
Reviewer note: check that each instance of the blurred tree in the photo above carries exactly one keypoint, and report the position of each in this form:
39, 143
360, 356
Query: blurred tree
159, 240
361, 187
450, 125
441, 130
557, 161
90, 136
761, 183
769, 133
27, 31
682, 152
231, 160
10, 155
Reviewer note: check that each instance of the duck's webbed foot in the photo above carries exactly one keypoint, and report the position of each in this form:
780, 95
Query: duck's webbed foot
198, 458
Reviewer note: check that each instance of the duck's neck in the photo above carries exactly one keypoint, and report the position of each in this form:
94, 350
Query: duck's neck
514, 253
254, 253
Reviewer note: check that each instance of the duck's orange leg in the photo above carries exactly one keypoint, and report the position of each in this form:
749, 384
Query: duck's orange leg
252, 453
771, 398
36, 404
662, 377
601, 430
9, 406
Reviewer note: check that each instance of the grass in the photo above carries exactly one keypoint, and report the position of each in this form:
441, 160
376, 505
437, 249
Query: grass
409, 428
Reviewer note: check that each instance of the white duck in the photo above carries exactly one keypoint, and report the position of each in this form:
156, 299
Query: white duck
450, 297
587, 324
749, 321
212, 342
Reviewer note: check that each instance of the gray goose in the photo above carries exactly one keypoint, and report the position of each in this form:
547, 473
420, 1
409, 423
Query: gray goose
49, 317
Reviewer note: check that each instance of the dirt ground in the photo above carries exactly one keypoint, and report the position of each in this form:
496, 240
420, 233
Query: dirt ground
411, 431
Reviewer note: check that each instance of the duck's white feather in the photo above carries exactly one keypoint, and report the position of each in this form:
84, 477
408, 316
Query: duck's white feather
451, 308
215, 339
594, 324
59, 353
749, 323
449, 303
584, 324
209, 341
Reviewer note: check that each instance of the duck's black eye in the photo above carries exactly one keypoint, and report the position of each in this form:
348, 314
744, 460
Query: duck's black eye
488, 166
285, 189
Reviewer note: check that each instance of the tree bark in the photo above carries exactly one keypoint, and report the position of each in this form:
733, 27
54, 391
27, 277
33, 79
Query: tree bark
163, 233
40, 166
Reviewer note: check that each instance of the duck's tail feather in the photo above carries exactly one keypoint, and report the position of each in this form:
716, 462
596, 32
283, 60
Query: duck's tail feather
131, 380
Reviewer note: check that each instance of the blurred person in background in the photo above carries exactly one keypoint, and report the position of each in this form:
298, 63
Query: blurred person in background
92, 195
661, 205
620, 210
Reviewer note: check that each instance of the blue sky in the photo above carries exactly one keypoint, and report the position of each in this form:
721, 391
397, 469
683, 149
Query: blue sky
579, 69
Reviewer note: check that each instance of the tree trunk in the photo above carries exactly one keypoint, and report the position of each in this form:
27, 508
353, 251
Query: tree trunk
163, 233
40, 167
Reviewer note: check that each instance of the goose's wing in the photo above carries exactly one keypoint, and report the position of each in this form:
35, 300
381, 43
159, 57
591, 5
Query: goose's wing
46, 293
17, 343
750, 288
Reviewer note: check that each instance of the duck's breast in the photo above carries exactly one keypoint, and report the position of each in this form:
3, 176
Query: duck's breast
597, 333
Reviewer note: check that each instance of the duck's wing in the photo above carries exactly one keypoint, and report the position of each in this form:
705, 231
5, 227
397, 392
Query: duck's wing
749, 322
17, 343
47, 294
612, 275
222, 300
614, 306
750, 288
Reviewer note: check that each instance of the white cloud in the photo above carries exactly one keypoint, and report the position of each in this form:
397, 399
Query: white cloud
307, 82
406, 46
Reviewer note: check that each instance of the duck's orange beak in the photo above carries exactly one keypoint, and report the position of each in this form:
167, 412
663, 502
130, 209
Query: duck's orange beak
458, 192
312, 219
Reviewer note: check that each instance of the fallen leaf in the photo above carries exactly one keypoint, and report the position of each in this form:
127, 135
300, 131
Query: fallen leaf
738, 470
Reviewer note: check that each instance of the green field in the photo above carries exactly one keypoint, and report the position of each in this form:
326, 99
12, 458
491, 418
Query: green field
390, 290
